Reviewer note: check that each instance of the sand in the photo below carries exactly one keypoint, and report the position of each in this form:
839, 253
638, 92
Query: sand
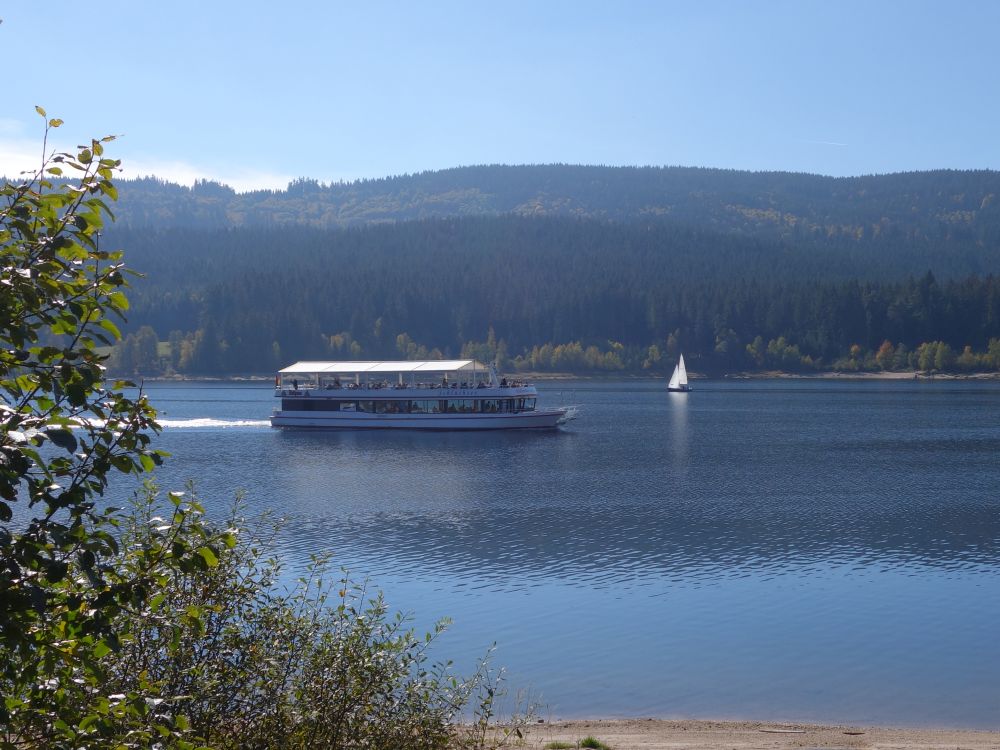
655, 734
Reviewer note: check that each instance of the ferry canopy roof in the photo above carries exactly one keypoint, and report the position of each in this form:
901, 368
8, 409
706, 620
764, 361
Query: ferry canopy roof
416, 365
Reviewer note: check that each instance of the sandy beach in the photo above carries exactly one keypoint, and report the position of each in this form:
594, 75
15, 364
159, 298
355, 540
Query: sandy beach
656, 734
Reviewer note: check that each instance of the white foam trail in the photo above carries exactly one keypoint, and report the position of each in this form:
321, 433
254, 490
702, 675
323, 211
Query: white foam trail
208, 422
572, 412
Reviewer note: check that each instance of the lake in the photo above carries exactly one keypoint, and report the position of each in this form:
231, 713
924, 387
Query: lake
786, 549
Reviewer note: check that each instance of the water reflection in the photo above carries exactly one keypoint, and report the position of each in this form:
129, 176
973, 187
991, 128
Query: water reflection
745, 536
678, 405
631, 545
535, 506
646, 485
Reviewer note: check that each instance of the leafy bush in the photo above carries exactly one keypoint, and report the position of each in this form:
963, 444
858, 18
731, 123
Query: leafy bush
63, 435
251, 665
122, 630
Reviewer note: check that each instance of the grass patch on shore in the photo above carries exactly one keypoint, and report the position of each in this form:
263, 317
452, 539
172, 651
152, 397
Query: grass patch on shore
588, 742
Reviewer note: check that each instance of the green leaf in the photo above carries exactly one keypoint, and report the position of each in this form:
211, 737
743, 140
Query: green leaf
111, 328
56, 571
208, 555
88, 721
123, 463
63, 438
118, 301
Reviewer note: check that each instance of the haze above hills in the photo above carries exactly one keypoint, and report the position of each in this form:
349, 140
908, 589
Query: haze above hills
934, 204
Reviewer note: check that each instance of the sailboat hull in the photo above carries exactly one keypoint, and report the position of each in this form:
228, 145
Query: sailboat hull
679, 389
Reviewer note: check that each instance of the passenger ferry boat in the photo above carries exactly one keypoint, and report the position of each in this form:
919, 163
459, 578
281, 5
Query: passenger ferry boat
459, 394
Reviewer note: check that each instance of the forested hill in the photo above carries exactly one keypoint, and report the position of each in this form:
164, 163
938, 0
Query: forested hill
567, 268
934, 205
552, 293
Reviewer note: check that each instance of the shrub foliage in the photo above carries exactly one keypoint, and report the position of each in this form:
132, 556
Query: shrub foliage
132, 629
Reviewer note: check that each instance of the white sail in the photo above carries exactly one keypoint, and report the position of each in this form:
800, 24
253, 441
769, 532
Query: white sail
675, 379
679, 380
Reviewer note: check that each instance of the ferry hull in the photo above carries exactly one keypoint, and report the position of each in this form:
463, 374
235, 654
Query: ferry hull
539, 419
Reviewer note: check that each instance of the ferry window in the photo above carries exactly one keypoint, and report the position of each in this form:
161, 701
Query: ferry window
348, 405
366, 406
489, 405
395, 407
461, 406
381, 407
529, 404
417, 407
308, 404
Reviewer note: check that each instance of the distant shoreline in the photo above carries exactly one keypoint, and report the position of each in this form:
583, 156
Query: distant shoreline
766, 375
546, 376
911, 375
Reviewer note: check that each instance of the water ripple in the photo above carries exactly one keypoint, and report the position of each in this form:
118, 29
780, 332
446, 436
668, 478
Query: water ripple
703, 555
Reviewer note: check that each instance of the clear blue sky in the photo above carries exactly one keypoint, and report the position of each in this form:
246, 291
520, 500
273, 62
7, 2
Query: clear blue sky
255, 93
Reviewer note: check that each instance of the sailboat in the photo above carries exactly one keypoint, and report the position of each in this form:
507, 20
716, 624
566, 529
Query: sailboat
679, 380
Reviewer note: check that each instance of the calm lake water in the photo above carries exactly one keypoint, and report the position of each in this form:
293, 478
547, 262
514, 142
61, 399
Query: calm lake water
813, 550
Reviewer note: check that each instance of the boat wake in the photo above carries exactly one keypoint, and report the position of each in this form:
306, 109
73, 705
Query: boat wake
174, 424
572, 412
